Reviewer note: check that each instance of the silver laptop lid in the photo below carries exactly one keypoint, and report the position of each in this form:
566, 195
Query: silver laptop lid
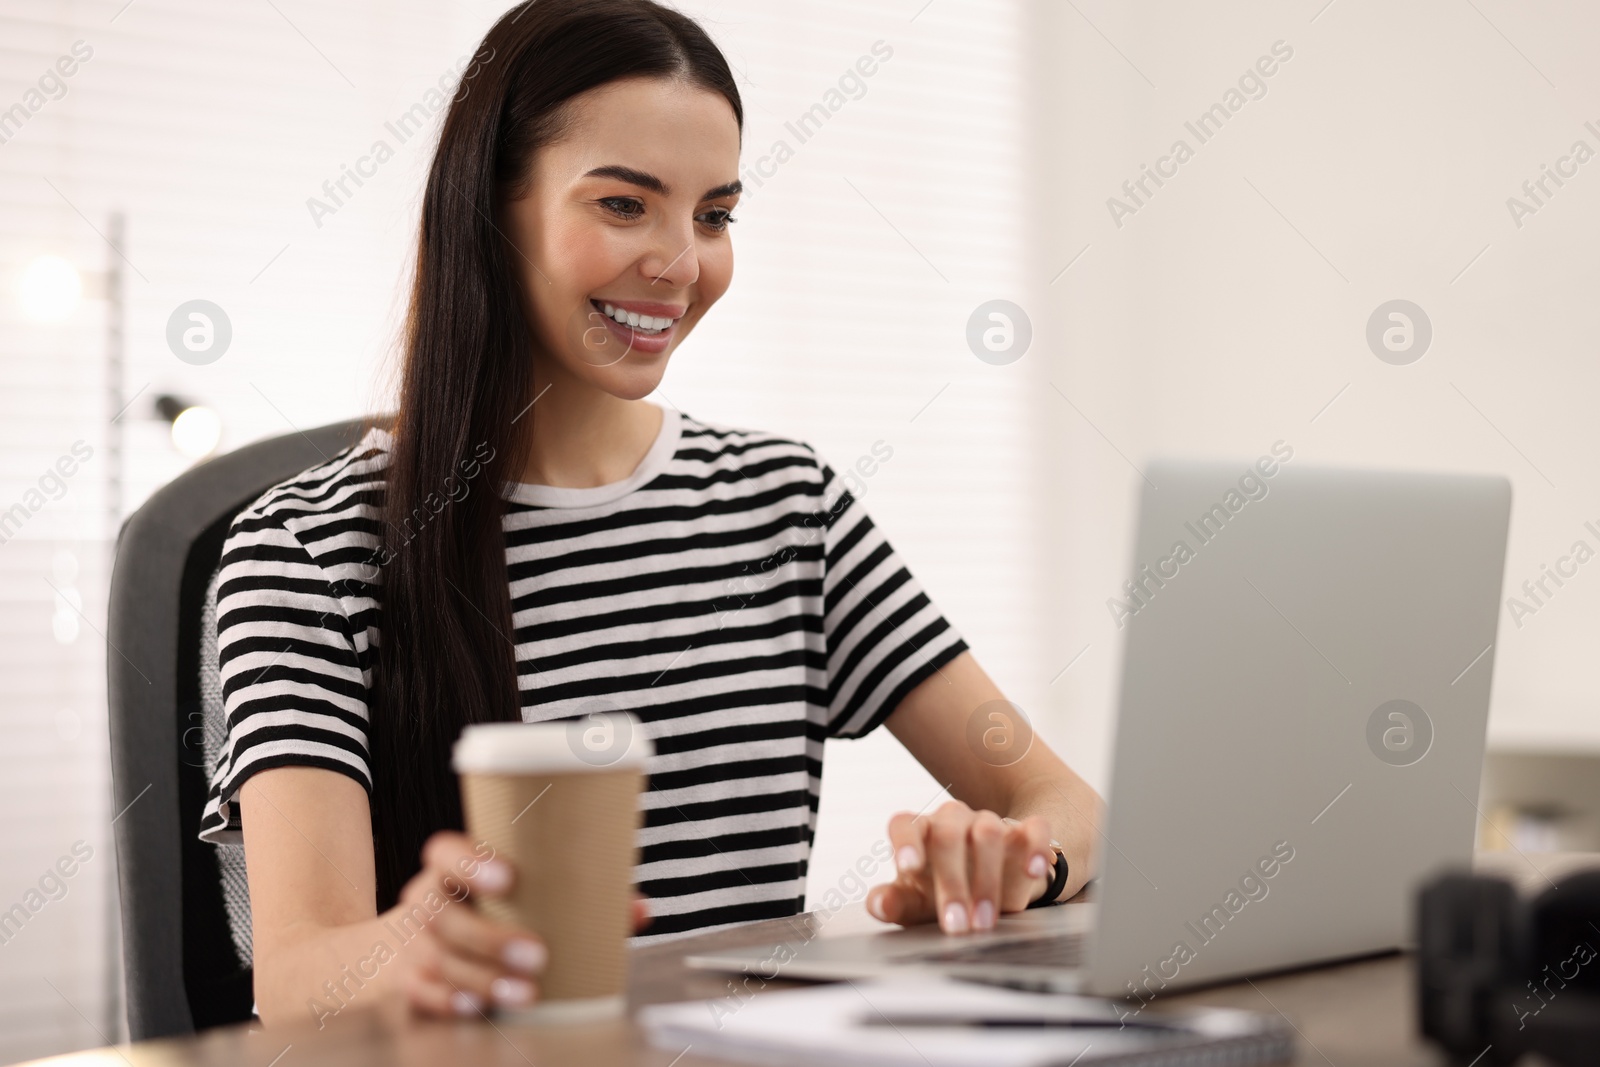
1304, 695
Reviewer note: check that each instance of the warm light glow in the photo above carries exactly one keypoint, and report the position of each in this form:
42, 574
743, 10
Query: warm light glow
49, 289
196, 431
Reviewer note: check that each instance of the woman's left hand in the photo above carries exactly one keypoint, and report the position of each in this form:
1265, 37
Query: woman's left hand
963, 867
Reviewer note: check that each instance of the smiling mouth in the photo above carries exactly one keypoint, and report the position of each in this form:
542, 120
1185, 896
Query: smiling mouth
638, 326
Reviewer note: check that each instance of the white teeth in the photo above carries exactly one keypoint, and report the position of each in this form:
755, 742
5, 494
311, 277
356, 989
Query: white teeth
649, 323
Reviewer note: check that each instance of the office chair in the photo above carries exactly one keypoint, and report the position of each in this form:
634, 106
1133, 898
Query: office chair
185, 903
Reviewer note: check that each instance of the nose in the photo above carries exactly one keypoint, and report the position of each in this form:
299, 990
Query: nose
672, 261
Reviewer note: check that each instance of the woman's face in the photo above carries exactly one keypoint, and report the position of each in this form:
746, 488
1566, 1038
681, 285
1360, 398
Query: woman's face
630, 210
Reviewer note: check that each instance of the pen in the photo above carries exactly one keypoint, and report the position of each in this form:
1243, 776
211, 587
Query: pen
1012, 1022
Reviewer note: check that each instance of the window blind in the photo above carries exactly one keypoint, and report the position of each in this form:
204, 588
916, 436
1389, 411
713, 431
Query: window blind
862, 254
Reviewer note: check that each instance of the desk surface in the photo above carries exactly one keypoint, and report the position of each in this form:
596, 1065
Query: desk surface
1357, 1014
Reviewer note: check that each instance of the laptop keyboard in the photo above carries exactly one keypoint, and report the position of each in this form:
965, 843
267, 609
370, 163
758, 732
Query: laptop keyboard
1064, 950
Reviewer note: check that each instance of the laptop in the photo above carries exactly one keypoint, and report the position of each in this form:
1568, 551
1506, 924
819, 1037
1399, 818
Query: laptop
1306, 663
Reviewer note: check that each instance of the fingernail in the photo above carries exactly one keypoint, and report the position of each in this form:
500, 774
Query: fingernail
1037, 866
907, 859
511, 992
525, 956
493, 876
875, 909
983, 915
465, 1003
955, 917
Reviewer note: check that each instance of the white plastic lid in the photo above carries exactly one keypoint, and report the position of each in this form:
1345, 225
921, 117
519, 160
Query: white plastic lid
603, 741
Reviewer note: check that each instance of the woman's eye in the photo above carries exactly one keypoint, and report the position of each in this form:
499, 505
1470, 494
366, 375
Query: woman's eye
627, 207
624, 206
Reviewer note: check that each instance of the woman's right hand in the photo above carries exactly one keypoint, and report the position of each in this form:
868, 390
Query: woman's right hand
463, 961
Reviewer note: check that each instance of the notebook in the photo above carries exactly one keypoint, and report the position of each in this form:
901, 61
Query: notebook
931, 1021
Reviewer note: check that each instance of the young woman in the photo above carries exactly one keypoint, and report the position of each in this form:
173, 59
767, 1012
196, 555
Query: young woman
530, 538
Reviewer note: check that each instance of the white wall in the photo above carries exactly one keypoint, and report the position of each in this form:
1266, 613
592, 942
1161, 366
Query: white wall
1231, 307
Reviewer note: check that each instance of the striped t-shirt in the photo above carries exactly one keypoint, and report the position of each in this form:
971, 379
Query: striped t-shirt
731, 593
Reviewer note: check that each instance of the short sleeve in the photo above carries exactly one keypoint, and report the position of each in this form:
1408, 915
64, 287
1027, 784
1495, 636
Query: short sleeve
293, 690
883, 634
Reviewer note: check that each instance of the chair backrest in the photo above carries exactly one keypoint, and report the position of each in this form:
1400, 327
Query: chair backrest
184, 969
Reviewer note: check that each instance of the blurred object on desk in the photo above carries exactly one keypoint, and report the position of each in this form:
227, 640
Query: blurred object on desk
1540, 799
1506, 973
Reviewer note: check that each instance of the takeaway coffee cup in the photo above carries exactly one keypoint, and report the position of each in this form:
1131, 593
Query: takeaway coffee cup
560, 801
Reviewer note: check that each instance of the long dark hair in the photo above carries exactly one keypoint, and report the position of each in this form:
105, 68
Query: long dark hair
445, 654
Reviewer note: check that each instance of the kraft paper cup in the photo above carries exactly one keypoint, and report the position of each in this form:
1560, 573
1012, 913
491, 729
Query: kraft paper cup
560, 801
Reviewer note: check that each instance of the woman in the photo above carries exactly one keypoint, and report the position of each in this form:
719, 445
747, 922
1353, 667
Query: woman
532, 539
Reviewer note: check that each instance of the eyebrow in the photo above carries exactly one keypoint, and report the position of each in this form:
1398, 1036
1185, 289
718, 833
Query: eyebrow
656, 185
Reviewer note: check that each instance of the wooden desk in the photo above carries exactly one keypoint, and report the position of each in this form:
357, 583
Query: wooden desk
1358, 1014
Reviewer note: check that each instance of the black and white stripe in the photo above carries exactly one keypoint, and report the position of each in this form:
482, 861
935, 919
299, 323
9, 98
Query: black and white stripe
731, 594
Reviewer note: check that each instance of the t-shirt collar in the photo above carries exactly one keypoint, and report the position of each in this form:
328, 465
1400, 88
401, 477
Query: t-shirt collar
653, 463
